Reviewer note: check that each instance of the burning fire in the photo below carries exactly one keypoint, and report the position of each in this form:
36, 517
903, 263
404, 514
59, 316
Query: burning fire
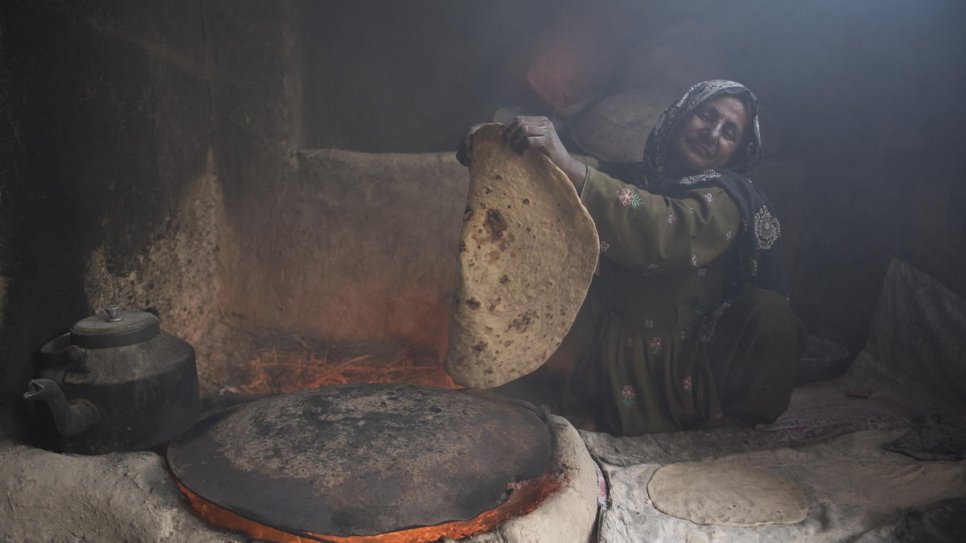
524, 498
280, 372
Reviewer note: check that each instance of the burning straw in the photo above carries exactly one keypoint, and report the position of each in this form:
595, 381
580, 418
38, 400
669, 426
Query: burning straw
279, 372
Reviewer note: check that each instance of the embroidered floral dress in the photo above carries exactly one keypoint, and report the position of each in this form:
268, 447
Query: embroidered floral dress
663, 268
688, 319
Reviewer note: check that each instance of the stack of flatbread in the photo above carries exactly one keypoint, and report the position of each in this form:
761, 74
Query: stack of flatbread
527, 256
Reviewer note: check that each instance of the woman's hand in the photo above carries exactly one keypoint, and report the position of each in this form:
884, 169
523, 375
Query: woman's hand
464, 154
538, 133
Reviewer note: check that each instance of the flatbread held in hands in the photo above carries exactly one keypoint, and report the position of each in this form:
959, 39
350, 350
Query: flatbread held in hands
528, 252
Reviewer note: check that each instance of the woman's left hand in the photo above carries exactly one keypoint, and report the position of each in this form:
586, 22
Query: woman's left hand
538, 133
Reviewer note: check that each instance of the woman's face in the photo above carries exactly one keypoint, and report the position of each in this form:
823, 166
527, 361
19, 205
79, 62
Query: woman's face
708, 137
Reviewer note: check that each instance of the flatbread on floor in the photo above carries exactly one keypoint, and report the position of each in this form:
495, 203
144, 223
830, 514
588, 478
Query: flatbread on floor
726, 494
527, 256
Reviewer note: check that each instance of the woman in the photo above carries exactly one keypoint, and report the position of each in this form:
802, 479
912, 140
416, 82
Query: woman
687, 324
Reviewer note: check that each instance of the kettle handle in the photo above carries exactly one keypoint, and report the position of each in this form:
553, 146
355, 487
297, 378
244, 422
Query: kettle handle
60, 352
54, 352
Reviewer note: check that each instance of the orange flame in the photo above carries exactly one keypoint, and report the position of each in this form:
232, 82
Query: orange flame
524, 498
276, 372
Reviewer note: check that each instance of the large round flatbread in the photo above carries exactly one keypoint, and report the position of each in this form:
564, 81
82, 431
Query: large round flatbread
527, 255
726, 494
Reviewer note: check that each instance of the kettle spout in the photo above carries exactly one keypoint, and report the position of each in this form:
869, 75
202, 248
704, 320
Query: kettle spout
71, 418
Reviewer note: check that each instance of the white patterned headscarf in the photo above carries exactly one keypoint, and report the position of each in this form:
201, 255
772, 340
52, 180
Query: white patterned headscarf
759, 243
655, 150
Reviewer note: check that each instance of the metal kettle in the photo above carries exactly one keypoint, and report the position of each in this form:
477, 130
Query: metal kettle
117, 382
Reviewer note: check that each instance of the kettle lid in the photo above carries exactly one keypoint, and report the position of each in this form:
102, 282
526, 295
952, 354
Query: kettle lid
115, 327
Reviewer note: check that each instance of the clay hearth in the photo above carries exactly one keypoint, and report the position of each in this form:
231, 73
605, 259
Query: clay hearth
381, 463
132, 497
314, 294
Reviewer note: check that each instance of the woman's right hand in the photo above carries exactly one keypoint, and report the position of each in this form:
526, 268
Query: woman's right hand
464, 154
539, 134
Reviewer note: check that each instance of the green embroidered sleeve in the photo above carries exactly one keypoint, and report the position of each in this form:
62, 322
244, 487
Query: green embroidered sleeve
658, 234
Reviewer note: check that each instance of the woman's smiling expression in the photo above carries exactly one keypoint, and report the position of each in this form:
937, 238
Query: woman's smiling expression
708, 137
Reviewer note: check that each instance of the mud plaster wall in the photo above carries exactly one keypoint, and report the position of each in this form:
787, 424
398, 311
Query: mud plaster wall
333, 246
153, 160
105, 127
153, 155
378, 74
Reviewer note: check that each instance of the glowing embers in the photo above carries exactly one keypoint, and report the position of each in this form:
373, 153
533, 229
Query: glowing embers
366, 463
526, 496
279, 372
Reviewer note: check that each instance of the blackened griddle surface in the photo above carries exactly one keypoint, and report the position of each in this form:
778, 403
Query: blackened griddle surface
361, 459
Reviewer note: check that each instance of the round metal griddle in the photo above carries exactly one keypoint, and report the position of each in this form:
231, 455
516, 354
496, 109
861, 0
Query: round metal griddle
361, 459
